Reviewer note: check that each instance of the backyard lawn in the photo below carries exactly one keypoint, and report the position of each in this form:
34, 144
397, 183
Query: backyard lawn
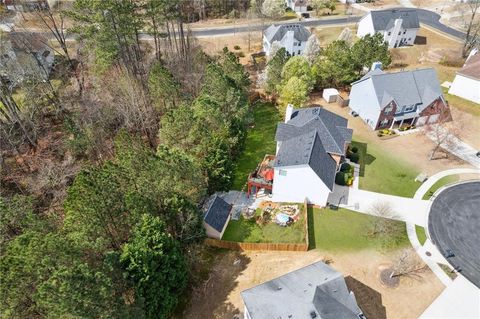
383, 173
259, 142
345, 230
248, 231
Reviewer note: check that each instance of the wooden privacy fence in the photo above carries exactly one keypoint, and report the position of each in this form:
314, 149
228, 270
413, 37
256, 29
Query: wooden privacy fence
264, 246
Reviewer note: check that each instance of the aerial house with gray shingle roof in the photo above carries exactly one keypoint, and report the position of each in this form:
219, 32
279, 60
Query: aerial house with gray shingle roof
216, 217
292, 37
316, 291
311, 144
390, 100
398, 26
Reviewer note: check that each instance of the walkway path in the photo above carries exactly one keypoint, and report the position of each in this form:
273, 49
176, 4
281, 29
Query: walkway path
405, 209
461, 149
435, 258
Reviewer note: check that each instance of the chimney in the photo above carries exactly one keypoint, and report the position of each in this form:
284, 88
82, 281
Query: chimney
288, 112
376, 65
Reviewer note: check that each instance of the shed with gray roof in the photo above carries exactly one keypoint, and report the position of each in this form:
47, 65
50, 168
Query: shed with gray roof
315, 291
216, 217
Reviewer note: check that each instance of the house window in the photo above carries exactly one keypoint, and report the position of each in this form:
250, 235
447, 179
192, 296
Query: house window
409, 39
404, 31
399, 32
388, 110
409, 108
384, 122
299, 52
282, 172
389, 33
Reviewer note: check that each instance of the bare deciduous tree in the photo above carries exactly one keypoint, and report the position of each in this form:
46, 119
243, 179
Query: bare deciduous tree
383, 224
471, 12
443, 133
407, 263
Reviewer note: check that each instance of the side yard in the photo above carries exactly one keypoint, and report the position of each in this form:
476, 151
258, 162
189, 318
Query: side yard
260, 141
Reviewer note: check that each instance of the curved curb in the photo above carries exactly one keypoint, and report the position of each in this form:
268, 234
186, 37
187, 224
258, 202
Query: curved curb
411, 232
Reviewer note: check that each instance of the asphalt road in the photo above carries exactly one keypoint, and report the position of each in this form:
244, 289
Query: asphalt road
454, 225
426, 17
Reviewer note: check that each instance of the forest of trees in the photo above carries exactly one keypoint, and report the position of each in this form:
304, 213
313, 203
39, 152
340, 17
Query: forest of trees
105, 164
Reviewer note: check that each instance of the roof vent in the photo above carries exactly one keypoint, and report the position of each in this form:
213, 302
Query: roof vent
279, 288
313, 314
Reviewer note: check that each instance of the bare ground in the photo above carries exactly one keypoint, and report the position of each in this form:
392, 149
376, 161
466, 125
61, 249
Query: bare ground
220, 296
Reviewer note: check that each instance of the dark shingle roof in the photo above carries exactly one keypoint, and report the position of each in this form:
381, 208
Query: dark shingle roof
277, 32
331, 128
217, 213
315, 288
385, 19
416, 87
308, 138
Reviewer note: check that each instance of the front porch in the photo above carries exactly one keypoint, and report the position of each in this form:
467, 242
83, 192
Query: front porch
398, 123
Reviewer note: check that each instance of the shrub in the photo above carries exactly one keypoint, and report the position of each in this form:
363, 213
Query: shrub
237, 47
345, 167
451, 62
341, 178
240, 54
355, 157
354, 149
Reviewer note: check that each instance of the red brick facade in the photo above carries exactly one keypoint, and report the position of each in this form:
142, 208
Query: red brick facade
386, 115
437, 107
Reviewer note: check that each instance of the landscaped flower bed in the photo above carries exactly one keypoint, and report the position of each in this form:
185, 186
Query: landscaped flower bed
406, 127
386, 134
345, 175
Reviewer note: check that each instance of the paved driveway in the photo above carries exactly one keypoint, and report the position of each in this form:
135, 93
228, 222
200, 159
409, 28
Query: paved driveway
405, 209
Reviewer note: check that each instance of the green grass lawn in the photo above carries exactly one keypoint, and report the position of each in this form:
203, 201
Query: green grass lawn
421, 235
345, 230
260, 141
382, 172
439, 184
249, 231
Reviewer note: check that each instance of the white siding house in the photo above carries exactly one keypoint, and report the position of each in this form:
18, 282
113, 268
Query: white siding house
299, 6
292, 37
467, 81
398, 26
311, 143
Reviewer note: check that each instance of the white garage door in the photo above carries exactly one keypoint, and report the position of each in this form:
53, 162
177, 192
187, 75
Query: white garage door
433, 118
421, 120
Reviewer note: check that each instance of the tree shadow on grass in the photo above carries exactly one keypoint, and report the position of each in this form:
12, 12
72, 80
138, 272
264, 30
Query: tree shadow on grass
311, 229
208, 298
368, 299
365, 158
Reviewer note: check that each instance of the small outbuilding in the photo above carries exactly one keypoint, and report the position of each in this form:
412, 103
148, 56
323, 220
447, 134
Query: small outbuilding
330, 95
217, 217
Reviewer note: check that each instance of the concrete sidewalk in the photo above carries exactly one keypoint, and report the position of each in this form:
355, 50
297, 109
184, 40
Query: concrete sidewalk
405, 209
461, 149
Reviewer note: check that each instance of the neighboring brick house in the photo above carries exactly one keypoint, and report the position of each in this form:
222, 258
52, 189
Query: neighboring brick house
389, 100
398, 26
292, 37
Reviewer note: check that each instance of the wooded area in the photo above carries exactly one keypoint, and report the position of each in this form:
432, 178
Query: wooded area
106, 162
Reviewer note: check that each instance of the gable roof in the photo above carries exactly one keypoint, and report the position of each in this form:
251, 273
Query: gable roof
385, 19
416, 87
309, 137
277, 32
331, 128
316, 288
217, 213
307, 149
471, 68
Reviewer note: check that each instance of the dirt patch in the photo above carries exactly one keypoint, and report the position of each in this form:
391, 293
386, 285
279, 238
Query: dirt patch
222, 298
